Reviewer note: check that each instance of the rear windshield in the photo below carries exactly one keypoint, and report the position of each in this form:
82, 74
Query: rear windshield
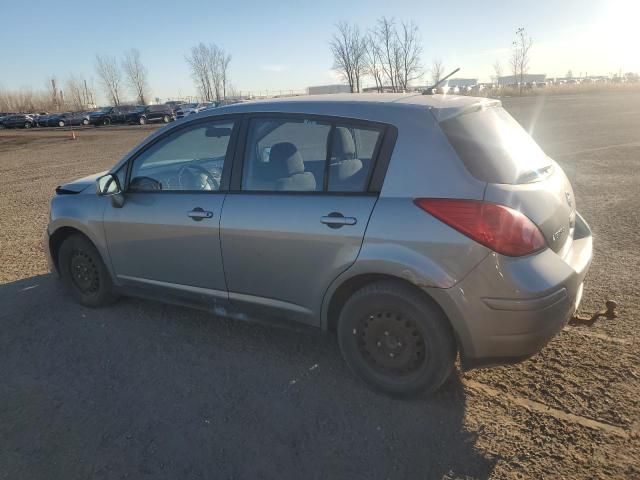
495, 148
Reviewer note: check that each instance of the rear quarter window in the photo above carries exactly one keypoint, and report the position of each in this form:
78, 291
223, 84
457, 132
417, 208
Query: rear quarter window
495, 148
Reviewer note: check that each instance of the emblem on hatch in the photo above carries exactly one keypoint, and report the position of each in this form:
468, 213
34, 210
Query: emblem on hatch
569, 201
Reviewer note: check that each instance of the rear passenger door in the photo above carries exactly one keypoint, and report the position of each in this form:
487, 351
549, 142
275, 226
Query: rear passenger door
297, 212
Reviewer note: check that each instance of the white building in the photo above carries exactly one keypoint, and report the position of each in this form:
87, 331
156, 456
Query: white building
326, 89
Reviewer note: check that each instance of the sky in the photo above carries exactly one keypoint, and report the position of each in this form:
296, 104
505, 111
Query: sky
283, 45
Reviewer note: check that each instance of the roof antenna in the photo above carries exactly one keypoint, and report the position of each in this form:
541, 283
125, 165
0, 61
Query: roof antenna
432, 89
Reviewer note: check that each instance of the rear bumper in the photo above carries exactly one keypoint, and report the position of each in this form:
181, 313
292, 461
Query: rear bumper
507, 308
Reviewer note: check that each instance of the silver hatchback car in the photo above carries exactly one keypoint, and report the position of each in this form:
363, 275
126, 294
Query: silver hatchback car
414, 226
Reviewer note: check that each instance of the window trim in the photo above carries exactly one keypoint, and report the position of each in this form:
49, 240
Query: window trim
228, 160
381, 157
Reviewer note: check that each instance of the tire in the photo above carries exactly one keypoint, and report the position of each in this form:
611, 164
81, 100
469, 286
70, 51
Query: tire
396, 339
166, 119
106, 122
61, 123
85, 121
27, 124
83, 272
142, 121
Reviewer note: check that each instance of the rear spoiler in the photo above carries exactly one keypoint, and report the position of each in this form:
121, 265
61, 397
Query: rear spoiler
442, 114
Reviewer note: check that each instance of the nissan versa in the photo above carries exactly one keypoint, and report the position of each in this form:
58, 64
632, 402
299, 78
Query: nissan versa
415, 226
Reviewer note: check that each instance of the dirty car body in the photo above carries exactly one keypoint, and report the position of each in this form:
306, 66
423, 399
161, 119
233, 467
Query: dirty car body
445, 197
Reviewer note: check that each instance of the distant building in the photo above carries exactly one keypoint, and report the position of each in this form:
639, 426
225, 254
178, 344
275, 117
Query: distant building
527, 78
462, 82
326, 89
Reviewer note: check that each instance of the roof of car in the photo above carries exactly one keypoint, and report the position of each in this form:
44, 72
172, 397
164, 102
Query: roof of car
445, 106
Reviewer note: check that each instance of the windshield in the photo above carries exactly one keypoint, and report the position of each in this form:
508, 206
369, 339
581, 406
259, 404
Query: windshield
495, 148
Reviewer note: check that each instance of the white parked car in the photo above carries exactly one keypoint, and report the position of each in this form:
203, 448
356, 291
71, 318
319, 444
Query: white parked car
189, 108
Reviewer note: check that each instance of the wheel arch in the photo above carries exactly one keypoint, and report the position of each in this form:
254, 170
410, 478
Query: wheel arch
58, 237
340, 292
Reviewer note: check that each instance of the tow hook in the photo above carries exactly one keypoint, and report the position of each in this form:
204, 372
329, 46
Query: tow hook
609, 313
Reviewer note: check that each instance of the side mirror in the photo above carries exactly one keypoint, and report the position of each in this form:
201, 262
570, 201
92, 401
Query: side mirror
109, 186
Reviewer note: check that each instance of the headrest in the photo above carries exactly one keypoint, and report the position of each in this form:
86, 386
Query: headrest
286, 159
342, 146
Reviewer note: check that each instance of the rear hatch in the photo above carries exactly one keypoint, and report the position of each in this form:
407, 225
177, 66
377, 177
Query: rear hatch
497, 150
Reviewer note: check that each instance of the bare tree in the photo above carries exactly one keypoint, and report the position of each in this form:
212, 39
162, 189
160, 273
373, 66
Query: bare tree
387, 40
54, 93
437, 71
497, 72
75, 92
372, 60
197, 61
110, 76
210, 71
410, 51
349, 54
136, 74
520, 56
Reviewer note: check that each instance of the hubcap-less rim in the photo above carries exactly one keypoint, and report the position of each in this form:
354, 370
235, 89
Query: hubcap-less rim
84, 272
391, 344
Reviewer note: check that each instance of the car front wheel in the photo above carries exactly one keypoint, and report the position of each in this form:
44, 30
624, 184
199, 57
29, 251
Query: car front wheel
396, 339
27, 124
166, 119
142, 120
61, 123
83, 272
85, 121
106, 121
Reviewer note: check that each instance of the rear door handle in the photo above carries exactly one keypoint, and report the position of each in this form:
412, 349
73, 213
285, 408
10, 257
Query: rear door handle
198, 214
337, 220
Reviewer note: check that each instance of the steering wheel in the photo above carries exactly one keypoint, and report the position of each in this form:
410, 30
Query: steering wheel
199, 178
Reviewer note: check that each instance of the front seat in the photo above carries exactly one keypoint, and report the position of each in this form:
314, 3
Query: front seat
288, 167
345, 167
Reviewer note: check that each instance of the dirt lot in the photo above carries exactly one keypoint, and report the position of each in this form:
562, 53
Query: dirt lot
148, 390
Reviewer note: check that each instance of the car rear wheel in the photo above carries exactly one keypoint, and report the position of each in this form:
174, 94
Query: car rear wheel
142, 120
85, 121
396, 339
166, 119
61, 123
106, 121
83, 272
27, 124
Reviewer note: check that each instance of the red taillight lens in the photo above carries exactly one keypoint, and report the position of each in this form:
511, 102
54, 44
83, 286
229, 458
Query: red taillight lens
502, 229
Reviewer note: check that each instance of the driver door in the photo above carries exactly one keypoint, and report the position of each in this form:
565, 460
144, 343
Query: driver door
165, 239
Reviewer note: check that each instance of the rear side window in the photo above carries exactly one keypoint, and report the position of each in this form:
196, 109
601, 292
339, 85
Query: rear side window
495, 148
307, 154
353, 151
285, 155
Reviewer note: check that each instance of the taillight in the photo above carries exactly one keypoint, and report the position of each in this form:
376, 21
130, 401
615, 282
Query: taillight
502, 229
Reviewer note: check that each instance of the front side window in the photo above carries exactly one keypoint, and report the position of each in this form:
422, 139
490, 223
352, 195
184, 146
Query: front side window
190, 159
285, 155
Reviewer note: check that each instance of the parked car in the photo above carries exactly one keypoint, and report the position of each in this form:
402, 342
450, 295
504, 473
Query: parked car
416, 227
111, 115
150, 114
64, 119
17, 121
174, 104
190, 108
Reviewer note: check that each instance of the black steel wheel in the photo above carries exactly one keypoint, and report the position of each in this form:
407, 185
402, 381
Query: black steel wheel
395, 338
83, 271
391, 343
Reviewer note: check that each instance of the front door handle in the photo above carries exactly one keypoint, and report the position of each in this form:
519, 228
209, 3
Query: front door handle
198, 214
337, 220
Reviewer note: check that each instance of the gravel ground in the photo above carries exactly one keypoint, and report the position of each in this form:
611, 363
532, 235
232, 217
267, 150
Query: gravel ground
144, 390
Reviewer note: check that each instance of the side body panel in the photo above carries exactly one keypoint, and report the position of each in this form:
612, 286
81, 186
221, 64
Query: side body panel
279, 257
